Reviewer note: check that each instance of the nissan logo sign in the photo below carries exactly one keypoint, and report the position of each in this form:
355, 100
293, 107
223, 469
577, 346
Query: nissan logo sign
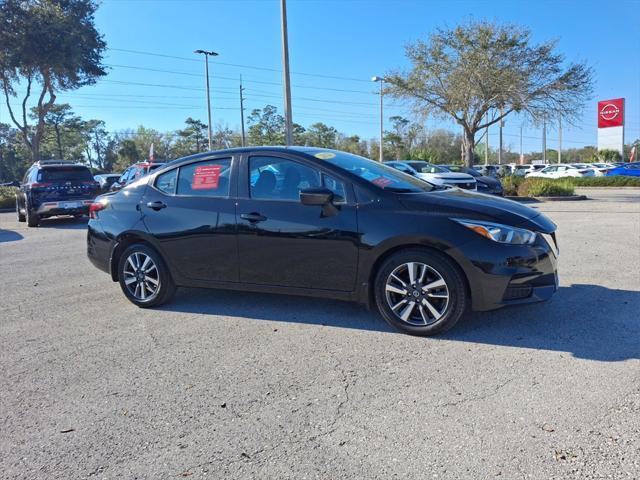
609, 111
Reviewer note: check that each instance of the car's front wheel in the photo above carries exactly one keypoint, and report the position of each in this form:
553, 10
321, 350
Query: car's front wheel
144, 276
420, 292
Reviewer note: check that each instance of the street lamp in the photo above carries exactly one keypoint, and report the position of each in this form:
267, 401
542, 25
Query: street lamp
381, 80
207, 54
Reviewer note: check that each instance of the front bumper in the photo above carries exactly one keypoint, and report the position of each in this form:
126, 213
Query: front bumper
501, 275
66, 207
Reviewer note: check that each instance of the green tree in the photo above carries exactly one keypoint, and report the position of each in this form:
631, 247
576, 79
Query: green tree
321, 135
266, 126
482, 68
194, 136
127, 154
58, 118
46, 46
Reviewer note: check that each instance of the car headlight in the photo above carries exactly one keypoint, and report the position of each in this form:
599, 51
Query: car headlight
498, 232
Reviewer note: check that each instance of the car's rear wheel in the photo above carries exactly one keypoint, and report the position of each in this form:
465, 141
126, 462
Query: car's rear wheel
144, 276
420, 292
33, 219
21, 217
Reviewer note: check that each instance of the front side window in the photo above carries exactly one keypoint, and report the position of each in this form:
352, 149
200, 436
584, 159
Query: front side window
274, 178
209, 178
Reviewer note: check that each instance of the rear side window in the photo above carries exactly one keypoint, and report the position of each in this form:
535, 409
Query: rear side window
64, 174
209, 178
167, 182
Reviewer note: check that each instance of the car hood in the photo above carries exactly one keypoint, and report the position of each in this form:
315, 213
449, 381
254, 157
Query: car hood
448, 176
492, 182
455, 202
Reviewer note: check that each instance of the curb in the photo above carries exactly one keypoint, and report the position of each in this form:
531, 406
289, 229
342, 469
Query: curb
606, 188
7, 210
568, 198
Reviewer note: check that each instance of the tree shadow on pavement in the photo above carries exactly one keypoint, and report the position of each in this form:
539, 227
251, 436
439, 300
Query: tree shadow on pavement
68, 223
9, 236
588, 321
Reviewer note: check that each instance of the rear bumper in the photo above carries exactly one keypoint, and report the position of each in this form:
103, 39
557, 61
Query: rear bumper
501, 275
99, 248
67, 207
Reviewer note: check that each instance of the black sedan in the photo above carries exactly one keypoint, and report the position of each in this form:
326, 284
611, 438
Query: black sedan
485, 183
322, 223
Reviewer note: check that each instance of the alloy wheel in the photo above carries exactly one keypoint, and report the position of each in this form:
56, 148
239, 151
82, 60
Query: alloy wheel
417, 293
141, 276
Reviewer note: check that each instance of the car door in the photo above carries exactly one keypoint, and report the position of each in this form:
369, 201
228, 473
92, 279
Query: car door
190, 210
282, 242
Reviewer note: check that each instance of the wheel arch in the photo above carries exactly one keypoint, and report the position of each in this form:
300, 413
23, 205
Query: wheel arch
380, 259
122, 243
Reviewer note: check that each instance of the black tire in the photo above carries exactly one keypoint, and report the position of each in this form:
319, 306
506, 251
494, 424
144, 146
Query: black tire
21, 217
437, 267
33, 219
166, 288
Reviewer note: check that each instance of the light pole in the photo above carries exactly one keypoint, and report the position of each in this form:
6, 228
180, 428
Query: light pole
381, 80
285, 74
206, 70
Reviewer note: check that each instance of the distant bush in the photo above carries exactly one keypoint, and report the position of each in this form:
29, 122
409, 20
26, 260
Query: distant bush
510, 185
8, 197
615, 181
544, 187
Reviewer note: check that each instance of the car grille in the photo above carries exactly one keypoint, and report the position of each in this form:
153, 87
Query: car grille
465, 185
515, 292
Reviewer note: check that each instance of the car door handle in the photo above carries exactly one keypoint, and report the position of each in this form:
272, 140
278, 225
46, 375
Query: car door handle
253, 217
156, 206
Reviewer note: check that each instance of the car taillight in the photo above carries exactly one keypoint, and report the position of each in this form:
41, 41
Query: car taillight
95, 207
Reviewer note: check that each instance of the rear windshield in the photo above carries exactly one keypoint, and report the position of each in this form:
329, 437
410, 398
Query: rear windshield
461, 169
60, 174
378, 174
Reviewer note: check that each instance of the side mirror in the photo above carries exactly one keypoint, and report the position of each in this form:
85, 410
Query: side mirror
316, 196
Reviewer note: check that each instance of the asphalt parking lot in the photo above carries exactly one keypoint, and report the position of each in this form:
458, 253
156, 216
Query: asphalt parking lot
236, 385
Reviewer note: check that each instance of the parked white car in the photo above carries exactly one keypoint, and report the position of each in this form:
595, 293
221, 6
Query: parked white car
523, 170
434, 174
562, 171
601, 169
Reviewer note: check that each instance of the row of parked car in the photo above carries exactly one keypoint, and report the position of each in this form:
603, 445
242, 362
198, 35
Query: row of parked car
561, 170
53, 187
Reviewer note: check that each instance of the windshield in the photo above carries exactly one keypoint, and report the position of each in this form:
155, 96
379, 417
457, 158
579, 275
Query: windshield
65, 174
461, 169
424, 167
378, 174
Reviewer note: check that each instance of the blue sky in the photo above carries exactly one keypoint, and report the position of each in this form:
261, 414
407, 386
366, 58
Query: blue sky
331, 38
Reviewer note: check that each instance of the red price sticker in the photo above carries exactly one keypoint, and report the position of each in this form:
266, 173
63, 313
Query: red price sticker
206, 177
381, 181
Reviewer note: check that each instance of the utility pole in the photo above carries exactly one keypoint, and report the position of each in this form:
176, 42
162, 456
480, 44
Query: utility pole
521, 152
381, 81
500, 149
207, 54
486, 142
285, 74
559, 139
544, 139
242, 112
